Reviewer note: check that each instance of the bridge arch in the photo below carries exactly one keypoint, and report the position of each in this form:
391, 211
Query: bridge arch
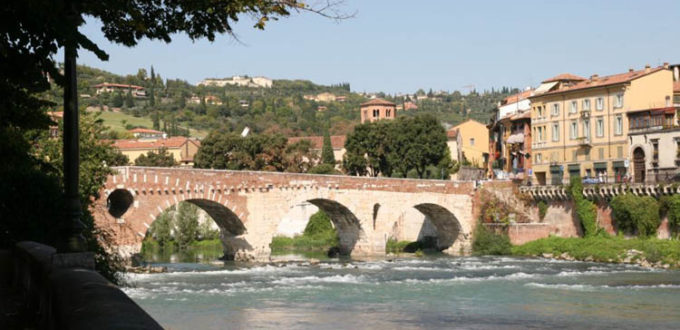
447, 225
118, 202
346, 223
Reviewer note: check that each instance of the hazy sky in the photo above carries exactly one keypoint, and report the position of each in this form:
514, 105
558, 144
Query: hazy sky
400, 46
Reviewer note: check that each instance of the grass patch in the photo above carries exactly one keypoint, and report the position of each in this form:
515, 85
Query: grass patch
114, 120
603, 249
394, 246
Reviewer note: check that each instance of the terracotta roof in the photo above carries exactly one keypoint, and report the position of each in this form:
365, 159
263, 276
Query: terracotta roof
607, 80
452, 133
564, 76
56, 114
145, 130
118, 85
523, 115
377, 102
676, 87
517, 97
173, 142
337, 141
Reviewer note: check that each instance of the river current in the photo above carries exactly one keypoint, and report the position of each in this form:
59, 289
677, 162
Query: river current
411, 293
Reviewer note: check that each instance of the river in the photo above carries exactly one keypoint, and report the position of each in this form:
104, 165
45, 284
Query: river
411, 293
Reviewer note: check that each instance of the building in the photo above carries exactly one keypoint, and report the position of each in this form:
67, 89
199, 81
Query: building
56, 117
183, 149
510, 138
137, 91
453, 142
580, 126
377, 109
408, 105
242, 81
654, 137
474, 142
337, 142
145, 133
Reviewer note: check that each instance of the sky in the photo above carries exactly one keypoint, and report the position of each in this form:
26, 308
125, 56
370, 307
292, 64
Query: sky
399, 46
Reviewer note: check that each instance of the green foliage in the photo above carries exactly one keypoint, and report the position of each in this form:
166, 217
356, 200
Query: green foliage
636, 215
542, 209
187, 225
394, 246
129, 100
160, 158
487, 242
327, 156
161, 229
324, 169
602, 248
671, 209
586, 211
319, 235
405, 147
117, 100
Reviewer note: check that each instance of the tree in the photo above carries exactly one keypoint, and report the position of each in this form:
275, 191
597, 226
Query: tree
160, 158
117, 100
161, 228
129, 101
327, 156
187, 225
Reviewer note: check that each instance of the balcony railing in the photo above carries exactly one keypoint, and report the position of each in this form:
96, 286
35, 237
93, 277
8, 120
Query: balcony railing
583, 141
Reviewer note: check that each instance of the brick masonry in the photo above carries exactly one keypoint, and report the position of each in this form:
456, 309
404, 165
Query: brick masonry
248, 207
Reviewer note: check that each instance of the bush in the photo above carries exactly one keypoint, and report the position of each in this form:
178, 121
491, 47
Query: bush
586, 211
542, 209
394, 246
319, 224
636, 215
318, 235
486, 242
323, 169
670, 207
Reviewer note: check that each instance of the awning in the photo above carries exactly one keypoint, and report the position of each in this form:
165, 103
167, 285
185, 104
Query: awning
600, 166
574, 167
545, 87
515, 138
618, 164
555, 169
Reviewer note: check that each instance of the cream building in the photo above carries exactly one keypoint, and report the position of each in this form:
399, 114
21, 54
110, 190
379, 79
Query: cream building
183, 149
472, 138
580, 126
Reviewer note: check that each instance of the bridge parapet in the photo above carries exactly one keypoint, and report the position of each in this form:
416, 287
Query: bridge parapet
600, 191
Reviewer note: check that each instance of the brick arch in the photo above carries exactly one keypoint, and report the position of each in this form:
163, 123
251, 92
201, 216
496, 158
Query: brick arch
447, 225
346, 223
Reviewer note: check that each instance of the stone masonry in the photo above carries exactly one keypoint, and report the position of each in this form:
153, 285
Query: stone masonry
248, 207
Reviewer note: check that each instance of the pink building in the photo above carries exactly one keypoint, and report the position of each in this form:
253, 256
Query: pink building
377, 109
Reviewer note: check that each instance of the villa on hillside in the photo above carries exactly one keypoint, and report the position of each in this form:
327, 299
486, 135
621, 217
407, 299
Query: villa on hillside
242, 81
137, 91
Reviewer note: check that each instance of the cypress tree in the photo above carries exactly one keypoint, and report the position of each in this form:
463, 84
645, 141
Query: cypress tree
327, 156
129, 101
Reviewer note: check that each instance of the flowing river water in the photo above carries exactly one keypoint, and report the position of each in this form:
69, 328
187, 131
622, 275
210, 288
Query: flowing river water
411, 293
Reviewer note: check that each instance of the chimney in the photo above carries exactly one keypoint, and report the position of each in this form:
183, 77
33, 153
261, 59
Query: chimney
594, 77
665, 65
631, 70
647, 68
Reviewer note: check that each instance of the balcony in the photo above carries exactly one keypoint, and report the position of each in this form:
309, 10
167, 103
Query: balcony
585, 113
583, 141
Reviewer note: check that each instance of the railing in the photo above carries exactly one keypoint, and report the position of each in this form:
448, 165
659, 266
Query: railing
583, 141
601, 190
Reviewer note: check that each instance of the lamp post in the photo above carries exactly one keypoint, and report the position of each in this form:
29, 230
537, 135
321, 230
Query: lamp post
74, 240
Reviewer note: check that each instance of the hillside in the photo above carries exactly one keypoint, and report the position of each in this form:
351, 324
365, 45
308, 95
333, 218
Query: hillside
289, 107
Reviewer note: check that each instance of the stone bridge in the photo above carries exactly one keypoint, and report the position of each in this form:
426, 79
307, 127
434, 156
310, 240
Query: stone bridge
248, 207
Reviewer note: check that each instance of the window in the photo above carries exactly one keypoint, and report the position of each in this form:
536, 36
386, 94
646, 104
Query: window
388, 112
555, 109
376, 113
587, 153
573, 130
599, 103
618, 125
586, 104
619, 152
600, 127
655, 153
540, 134
668, 101
600, 153
574, 107
472, 142
555, 132
574, 155
586, 129
539, 158
618, 100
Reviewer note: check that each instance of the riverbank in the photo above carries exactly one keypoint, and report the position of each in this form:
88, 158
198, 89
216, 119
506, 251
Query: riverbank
646, 252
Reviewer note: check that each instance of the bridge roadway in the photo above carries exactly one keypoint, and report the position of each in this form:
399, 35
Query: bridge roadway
248, 207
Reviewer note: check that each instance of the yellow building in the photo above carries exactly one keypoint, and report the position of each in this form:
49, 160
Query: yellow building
580, 126
181, 148
472, 138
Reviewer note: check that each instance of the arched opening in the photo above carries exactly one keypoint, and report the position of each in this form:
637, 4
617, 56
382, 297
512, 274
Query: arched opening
639, 165
195, 229
444, 229
345, 222
118, 202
